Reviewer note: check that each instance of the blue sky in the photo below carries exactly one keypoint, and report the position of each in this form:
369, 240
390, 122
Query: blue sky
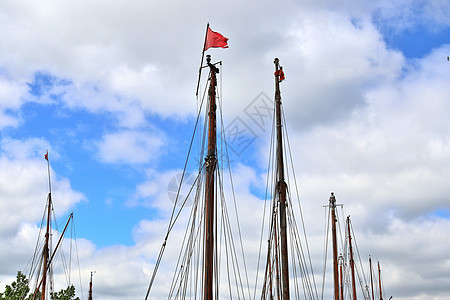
105, 216
415, 42
109, 90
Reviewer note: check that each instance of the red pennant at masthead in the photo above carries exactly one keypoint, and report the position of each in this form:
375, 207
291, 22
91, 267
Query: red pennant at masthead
215, 40
46, 156
280, 73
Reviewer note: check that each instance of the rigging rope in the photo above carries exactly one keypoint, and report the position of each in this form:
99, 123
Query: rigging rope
362, 281
170, 226
224, 140
78, 259
270, 180
298, 200
301, 262
186, 279
326, 234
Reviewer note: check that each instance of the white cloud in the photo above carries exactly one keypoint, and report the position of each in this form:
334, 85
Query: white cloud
367, 123
409, 15
332, 61
24, 185
129, 147
12, 95
25, 149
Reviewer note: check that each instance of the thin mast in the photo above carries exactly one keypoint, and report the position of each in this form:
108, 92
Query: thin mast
341, 277
47, 233
90, 288
210, 162
49, 262
371, 277
352, 262
379, 281
335, 257
201, 61
281, 186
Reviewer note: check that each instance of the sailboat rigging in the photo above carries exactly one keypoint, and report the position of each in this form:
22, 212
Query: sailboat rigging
352, 261
41, 267
350, 274
210, 163
281, 187
334, 238
288, 267
209, 265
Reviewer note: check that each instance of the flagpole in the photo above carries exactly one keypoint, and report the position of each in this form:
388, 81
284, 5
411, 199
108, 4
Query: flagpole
201, 61
48, 171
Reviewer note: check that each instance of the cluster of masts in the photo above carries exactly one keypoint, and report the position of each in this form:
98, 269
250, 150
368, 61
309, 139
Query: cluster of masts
282, 266
338, 261
209, 262
48, 255
276, 283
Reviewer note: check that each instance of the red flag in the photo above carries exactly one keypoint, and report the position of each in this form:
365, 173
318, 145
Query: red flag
215, 40
46, 156
280, 73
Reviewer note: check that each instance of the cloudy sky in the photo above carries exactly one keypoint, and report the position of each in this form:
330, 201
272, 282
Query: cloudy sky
108, 88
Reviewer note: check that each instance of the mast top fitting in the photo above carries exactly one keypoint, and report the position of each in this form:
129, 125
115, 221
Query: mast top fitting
332, 199
212, 66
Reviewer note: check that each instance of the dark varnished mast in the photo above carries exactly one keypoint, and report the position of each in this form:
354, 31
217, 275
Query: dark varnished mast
379, 281
352, 262
335, 257
50, 260
46, 250
210, 162
281, 187
90, 288
46, 258
371, 277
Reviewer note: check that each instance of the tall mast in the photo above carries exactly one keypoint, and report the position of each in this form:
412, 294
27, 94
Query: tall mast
281, 186
210, 162
379, 281
335, 257
90, 288
371, 277
50, 260
352, 262
47, 233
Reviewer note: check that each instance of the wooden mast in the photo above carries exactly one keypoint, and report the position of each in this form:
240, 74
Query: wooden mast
47, 259
371, 277
379, 281
50, 260
335, 257
352, 262
281, 187
46, 250
90, 288
210, 162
